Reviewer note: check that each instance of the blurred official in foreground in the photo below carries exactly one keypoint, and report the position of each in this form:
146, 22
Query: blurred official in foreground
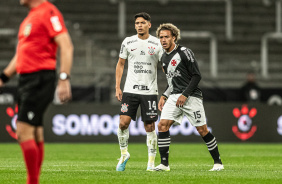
40, 33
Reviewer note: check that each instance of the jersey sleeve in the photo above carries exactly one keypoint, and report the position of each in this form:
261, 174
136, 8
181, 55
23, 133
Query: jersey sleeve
160, 53
54, 22
167, 92
193, 68
123, 50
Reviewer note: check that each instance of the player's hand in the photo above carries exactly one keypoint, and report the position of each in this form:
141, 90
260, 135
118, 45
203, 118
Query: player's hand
1, 83
119, 94
181, 101
161, 103
64, 90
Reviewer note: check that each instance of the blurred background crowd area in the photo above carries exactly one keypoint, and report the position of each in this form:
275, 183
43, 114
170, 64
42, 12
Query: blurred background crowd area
230, 39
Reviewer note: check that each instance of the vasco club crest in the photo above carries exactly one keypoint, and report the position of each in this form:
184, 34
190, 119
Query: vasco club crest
244, 129
151, 50
124, 107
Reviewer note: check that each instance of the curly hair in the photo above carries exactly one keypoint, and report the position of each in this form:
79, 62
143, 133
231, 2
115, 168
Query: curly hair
170, 27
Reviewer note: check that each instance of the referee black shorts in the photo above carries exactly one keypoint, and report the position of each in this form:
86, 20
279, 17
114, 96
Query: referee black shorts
148, 103
35, 92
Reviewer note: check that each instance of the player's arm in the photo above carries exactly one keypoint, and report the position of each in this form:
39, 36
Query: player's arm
119, 72
196, 78
9, 71
163, 98
65, 45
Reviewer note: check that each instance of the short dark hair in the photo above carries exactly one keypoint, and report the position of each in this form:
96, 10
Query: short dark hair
145, 15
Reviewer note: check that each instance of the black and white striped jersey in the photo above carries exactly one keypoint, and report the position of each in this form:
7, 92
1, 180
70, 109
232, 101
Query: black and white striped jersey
182, 72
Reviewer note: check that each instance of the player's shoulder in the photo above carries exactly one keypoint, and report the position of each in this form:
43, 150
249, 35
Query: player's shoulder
154, 40
186, 52
50, 9
130, 39
183, 49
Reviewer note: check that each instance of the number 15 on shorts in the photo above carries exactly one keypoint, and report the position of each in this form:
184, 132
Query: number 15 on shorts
197, 115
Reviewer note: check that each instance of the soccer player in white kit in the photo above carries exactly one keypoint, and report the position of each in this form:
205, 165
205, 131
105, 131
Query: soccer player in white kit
182, 96
143, 52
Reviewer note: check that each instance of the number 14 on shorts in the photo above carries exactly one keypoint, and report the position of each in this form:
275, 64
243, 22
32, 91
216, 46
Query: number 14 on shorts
152, 105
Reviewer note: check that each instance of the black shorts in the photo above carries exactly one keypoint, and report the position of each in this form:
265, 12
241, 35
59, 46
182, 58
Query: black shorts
35, 92
149, 106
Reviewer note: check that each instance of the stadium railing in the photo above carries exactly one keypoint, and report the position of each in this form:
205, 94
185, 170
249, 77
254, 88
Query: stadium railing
213, 47
270, 35
228, 15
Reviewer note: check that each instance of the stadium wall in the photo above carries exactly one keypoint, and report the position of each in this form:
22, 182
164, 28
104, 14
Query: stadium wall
77, 122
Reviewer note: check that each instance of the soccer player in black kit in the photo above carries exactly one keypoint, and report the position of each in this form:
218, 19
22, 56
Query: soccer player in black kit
182, 96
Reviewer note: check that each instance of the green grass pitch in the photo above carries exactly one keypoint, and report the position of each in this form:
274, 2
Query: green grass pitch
189, 163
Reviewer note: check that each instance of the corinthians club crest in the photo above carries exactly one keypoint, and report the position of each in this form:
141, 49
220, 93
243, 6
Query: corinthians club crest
124, 107
244, 129
151, 50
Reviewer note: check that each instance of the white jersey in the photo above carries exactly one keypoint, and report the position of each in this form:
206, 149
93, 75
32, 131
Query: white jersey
143, 57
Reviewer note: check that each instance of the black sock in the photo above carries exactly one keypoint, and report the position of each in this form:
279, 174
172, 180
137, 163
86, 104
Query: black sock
212, 147
163, 143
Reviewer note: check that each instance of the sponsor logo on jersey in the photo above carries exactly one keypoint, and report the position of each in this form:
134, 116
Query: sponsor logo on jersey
173, 62
171, 74
140, 87
244, 129
131, 41
27, 30
142, 52
57, 26
153, 42
151, 50
124, 107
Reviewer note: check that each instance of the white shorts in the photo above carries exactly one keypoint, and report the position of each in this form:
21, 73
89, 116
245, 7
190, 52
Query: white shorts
193, 109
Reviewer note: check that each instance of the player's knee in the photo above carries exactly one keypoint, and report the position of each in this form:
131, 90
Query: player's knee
203, 131
149, 127
163, 126
124, 123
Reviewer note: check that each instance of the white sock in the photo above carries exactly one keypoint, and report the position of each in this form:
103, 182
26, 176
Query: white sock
123, 136
152, 147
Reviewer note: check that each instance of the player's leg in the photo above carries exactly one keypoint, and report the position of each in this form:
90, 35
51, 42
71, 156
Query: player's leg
196, 114
39, 137
170, 115
123, 136
164, 143
129, 106
26, 139
149, 115
211, 143
151, 144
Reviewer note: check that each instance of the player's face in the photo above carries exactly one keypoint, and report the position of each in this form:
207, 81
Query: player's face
142, 26
167, 40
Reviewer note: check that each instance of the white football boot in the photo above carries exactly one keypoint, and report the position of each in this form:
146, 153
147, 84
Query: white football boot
150, 167
122, 162
162, 167
217, 167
